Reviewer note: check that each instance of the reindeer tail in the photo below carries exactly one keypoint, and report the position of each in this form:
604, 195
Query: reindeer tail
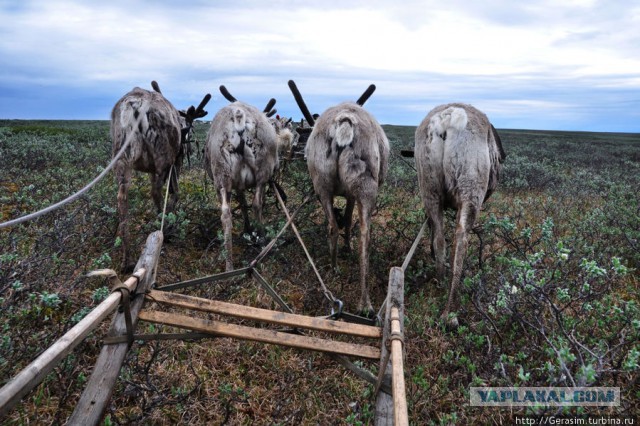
344, 129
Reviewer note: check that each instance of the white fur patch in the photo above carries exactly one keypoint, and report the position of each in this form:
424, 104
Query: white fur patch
458, 118
127, 113
239, 120
343, 130
451, 118
285, 138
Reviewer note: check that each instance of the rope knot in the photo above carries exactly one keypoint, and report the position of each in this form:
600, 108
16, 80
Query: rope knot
125, 299
395, 335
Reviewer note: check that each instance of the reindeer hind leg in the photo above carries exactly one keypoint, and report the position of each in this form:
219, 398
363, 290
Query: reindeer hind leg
225, 217
173, 188
157, 182
365, 208
258, 202
326, 200
465, 220
245, 211
348, 220
438, 244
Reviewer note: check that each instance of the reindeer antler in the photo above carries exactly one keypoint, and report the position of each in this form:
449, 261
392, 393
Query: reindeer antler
269, 110
200, 112
270, 105
190, 112
155, 86
226, 94
303, 107
193, 113
366, 95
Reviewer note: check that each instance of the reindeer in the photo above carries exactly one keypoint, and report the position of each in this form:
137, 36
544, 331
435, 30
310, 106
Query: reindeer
285, 135
459, 158
347, 155
240, 153
157, 147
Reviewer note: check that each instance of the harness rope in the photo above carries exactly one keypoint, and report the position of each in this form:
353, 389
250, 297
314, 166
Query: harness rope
327, 293
166, 197
269, 246
126, 295
125, 303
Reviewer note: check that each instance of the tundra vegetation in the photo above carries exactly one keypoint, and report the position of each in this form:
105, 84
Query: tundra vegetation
549, 292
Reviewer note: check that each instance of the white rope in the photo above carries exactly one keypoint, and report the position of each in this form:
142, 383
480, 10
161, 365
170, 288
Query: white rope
325, 290
166, 197
407, 259
73, 197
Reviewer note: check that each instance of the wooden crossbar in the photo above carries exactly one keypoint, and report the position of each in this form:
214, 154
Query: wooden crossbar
260, 335
264, 315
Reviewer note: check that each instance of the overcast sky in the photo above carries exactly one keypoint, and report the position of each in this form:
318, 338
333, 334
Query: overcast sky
539, 64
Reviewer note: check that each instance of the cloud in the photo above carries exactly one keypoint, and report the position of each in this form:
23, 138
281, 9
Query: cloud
498, 54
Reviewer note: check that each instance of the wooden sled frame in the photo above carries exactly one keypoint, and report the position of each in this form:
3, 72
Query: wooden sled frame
390, 408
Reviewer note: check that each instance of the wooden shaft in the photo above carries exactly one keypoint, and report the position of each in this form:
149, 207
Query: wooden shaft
269, 246
34, 373
399, 396
95, 398
407, 259
385, 407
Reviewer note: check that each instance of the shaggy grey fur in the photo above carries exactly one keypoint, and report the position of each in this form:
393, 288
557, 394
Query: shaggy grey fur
155, 149
159, 132
459, 158
240, 153
347, 155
